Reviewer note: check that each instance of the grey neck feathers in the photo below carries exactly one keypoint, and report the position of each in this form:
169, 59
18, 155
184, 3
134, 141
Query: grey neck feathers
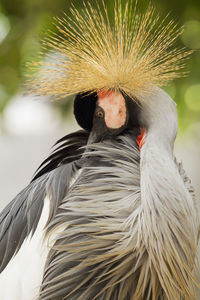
159, 116
169, 218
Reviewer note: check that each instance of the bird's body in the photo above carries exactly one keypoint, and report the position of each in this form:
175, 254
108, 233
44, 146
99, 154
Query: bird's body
78, 205
110, 215
102, 225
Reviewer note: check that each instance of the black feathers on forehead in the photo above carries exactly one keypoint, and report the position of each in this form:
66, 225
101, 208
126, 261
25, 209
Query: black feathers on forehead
84, 107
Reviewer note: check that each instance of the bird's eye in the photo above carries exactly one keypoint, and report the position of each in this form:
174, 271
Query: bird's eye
99, 113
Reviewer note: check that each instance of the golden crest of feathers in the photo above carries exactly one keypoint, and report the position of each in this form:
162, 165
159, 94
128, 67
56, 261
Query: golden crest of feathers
128, 50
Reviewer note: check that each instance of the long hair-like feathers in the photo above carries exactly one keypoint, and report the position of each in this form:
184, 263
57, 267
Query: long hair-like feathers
130, 51
111, 245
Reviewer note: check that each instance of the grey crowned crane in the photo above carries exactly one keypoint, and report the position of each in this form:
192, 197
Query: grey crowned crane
111, 214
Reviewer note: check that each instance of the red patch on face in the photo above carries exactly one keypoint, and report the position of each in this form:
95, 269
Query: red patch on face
140, 138
114, 106
104, 93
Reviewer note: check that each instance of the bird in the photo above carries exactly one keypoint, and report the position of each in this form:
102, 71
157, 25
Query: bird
110, 214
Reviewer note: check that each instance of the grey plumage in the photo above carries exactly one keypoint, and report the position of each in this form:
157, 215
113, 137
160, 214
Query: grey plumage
98, 203
123, 223
129, 225
100, 254
21, 216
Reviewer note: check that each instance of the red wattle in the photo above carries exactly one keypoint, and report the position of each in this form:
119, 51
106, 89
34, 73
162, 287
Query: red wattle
140, 138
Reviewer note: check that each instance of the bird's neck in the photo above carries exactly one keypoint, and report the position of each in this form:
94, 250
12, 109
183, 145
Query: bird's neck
168, 219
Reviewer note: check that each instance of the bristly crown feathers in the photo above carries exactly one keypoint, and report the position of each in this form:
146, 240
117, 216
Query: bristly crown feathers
131, 51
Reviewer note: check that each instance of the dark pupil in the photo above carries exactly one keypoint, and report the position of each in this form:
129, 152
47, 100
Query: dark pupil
99, 114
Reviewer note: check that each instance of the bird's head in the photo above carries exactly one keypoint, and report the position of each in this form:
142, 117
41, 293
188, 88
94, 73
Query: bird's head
114, 63
106, 113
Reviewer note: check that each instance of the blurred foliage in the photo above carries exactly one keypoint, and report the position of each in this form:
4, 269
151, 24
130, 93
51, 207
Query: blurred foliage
23, 23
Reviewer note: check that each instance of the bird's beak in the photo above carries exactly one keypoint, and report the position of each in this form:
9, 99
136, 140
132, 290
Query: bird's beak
97, 133
93, 138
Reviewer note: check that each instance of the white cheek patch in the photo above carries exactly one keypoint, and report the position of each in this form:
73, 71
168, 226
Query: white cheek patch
114, 106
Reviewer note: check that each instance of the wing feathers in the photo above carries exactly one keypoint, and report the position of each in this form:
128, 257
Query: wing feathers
20, 217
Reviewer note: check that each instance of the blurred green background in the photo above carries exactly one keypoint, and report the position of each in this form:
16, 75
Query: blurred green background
23, 23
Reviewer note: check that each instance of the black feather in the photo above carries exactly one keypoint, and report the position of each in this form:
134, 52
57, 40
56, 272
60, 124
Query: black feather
70, 149
19, 218
84, 107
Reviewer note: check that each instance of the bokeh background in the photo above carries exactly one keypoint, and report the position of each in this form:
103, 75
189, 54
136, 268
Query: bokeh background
29, 126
